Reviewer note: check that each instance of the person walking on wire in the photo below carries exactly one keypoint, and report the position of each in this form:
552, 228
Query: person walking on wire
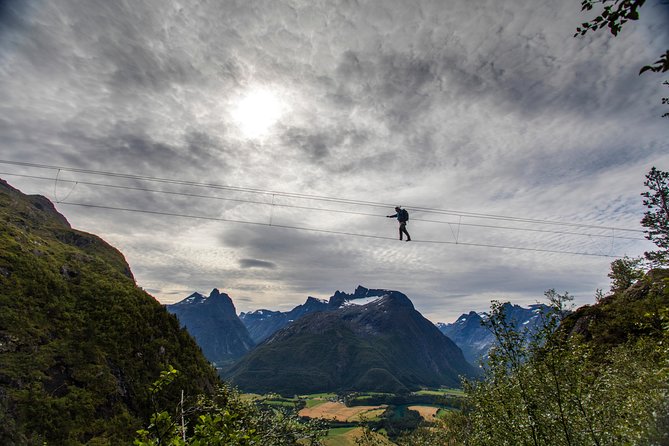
402, 216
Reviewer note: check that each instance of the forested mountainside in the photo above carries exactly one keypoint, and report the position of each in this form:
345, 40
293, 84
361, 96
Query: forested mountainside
80, 343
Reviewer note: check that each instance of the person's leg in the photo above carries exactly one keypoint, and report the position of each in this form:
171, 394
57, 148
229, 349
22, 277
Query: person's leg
403, 228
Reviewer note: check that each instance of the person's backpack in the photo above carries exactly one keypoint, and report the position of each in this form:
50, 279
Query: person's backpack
404, 215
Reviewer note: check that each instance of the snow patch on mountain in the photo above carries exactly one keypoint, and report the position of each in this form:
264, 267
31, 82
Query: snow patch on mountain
362, 301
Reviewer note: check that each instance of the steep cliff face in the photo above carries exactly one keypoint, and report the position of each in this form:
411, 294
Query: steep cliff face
381, 344
80, 343
214, 324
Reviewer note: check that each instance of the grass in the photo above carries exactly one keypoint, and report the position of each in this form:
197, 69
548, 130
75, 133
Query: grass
249, 397
319, 395
346, 436
315, 402
279, 403
441, 392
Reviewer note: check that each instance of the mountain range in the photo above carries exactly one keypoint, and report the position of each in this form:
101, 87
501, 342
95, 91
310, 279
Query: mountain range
475, 339
372, 340
261, 324
295, 344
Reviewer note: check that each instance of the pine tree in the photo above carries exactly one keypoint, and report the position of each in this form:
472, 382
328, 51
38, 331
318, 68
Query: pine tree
656, 219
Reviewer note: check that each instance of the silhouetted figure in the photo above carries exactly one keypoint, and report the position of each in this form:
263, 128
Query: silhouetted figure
403, 217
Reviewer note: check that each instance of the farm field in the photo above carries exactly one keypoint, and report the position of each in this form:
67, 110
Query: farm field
347, 414
347, 436
337, 411
441, 392
428, 413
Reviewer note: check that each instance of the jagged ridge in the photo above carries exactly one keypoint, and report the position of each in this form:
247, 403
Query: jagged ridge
385, 345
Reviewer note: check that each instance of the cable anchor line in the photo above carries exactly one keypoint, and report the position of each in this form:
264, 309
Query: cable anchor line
55, 189
271, 211
327, 231
315, 197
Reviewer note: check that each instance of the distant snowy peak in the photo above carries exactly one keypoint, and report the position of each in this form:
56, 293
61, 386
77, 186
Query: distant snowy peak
362, 301
195, 298
475, 339
366, 296
263, 323
259, 314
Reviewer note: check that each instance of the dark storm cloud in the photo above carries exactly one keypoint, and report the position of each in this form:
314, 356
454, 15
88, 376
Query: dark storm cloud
255, 263
138, 67
397, 85
139, 152
12, 13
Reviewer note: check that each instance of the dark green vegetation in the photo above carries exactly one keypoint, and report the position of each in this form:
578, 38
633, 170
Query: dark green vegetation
80, 343
224, 418
384, 346
601, 378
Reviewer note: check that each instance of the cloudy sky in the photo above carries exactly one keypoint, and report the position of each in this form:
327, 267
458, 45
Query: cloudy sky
266, 141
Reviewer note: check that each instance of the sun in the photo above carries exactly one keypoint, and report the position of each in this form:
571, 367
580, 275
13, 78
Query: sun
257, 111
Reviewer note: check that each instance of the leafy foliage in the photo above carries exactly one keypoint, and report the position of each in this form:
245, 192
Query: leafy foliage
560, 390
660, 65
624, 273
613, 15
223, 419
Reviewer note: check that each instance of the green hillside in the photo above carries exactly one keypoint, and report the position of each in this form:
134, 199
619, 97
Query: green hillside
623, 316
80, 343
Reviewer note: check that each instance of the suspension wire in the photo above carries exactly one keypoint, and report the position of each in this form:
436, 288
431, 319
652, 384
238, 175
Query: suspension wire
328, 231
55, 187
312, 197
274, 204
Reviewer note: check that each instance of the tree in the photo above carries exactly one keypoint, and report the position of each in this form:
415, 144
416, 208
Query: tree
656, 219
624, 273
555, 391
222, 418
